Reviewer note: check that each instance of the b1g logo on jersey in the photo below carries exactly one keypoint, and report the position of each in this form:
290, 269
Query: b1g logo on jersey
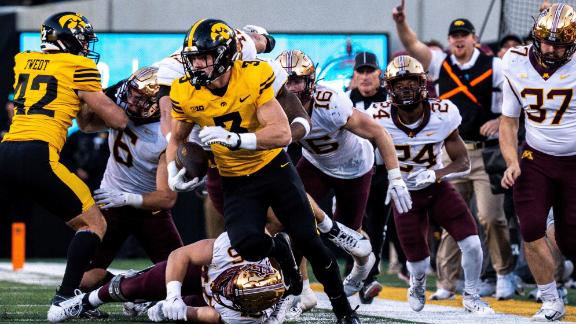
198, 108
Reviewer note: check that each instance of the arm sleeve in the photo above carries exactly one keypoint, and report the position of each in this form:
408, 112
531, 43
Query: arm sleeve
86, 76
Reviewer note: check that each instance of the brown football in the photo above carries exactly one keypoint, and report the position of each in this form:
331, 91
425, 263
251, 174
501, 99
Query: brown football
192, 157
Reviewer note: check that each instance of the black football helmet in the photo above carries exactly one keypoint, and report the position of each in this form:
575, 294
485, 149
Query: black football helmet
211, 37
69, 32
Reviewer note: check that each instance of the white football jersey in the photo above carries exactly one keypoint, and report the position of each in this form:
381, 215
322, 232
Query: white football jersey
548, 102
334, 150
134, 156
419, 146
224, 257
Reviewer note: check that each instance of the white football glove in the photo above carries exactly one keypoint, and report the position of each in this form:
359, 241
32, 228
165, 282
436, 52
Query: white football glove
110, 198
398, 192
217, 135
155, 313
421, 179
177, 179
174, 309
255, 29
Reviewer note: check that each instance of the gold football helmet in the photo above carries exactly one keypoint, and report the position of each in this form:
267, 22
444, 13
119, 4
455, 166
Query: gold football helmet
299, 66
401, 68
140, 91
249, 288
555, 26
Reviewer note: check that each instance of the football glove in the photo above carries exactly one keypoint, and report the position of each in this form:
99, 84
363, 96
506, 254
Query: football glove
177, 179
217, 135
398, 192
174, 309
421, 179
111, 198
156, 313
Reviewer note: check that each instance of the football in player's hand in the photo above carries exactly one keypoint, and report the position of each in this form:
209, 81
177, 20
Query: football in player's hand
192, 157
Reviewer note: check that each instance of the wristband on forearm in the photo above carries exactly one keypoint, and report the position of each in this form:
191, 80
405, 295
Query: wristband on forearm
173, 289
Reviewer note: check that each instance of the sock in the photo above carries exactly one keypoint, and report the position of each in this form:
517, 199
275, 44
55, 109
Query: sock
305, 284
548, 291
325, 225
418, 269
471, 263
80, 251
93, 298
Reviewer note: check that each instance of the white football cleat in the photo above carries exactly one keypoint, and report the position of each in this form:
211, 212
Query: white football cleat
280, 311
442, 294
355, 280
417, 293
136, 309
63, 308
349, 240
474, 304
551, 310
308, 299
505, 286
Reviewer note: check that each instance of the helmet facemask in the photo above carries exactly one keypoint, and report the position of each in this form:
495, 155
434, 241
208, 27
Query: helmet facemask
555, 26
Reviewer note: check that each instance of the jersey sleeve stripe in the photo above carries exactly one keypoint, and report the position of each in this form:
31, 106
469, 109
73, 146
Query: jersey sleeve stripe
86, 70
513, 91
177, 109
86, 75
266, 86
88, 80
270, 77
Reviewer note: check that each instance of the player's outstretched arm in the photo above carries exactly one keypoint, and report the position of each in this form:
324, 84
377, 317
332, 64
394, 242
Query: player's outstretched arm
366, 127
163, 197
88, 121
105, 108
409, 38
297, 116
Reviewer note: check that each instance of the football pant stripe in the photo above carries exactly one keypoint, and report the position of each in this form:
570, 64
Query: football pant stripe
71, 180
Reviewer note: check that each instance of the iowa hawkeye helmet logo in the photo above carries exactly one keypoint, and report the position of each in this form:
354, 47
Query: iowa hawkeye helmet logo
220, 31
72, 21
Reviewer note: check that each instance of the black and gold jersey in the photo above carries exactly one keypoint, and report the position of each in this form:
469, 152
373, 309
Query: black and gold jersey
250, 87
46, 95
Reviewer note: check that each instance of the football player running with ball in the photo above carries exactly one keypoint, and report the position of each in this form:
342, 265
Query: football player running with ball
420, 128
50, 86
233, 101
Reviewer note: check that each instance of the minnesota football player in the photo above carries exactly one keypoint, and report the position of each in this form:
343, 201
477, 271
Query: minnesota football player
49, 88
420, 127
134, 195
338, 155
233, 101
540, 83
204, 282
